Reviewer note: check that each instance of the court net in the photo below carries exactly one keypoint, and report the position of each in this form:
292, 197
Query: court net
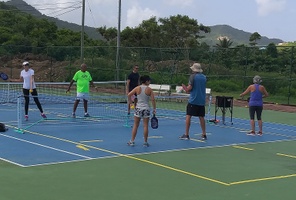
107, 103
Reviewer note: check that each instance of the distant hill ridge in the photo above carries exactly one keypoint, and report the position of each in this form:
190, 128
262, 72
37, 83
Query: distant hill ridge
24, 7
238, 37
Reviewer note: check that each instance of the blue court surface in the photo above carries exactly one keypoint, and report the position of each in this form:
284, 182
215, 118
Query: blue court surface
61, 138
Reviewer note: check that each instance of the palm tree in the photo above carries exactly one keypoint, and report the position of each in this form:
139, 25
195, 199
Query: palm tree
224, 42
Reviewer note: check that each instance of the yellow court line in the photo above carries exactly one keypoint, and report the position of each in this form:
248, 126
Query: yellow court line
82, 147
290, 156
244, 148
130, 157
262, 179
165, 166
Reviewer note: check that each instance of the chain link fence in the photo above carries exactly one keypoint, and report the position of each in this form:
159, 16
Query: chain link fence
229, 70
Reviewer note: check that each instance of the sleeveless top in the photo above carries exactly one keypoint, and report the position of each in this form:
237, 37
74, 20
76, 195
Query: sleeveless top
256, 97
143, 99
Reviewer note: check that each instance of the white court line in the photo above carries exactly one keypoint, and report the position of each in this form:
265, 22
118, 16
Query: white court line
12, 162
271, 127
264, 132
267, 124
48, 147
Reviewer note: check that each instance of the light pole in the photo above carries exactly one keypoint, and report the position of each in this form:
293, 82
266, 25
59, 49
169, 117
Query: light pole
118, 40
82, 32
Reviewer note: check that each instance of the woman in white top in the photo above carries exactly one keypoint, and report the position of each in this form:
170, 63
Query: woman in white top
142, 110
29, 86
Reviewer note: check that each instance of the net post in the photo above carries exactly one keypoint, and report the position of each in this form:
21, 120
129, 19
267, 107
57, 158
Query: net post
209, 108
8, 93
127, 122
19, 115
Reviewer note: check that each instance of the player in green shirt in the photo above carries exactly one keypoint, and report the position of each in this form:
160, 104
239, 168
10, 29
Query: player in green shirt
83, 80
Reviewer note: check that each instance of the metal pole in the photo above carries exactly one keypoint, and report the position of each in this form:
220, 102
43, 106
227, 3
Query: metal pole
290, 78
118, 40
82, 32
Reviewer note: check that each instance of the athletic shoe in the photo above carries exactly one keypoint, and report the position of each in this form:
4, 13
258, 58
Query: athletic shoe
259, 133
130, 143
146, 144
184, 137
73, 115
43, 116
204, 137
26, 117
86, 115
251, 133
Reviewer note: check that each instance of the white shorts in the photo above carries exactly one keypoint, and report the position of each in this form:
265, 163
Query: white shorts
145, 113
82, 96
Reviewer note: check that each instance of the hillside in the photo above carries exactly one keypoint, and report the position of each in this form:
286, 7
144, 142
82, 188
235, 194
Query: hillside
24, 7
237, 36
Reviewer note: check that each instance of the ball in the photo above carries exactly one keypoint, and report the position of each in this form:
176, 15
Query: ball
132, 106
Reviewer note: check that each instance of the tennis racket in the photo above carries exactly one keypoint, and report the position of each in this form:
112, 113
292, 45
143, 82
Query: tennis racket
3, 76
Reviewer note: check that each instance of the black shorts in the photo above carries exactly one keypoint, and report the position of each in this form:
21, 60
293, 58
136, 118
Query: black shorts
257, 110
195, 110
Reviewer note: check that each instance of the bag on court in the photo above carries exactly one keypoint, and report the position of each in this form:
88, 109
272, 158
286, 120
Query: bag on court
3, 128
154, 122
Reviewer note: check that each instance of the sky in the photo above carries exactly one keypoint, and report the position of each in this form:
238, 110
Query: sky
270, 18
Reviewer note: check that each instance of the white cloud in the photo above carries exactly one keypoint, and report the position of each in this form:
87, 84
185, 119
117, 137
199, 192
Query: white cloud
136, 14
181, 3
266, 7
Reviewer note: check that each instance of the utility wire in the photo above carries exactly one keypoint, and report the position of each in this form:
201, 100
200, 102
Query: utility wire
74, 7
91, 13
67, 11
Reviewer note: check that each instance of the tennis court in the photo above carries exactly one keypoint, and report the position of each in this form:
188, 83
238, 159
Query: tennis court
66, 158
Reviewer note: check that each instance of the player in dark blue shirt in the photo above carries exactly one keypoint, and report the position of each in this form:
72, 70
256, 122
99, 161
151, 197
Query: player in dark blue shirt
133, 80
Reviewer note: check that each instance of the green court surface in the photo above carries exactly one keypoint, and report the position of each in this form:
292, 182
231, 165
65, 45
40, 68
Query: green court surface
258, 170
217, 173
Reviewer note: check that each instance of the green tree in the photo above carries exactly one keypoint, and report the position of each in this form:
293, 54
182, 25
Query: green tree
110, 34
181, 31
254, 38
271, 50
175, 32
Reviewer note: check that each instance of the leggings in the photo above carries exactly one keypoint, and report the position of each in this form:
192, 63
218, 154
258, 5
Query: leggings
26, 93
